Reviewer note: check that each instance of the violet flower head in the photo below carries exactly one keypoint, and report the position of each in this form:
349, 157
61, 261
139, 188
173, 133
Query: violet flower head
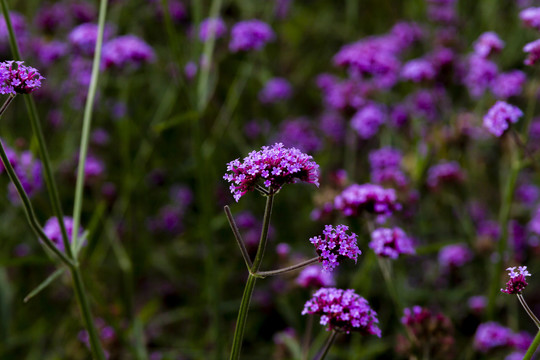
30, 172
250, 35
299, 133
480, 75
531, 17
344, 311
534, 224
126, 50
22, 80
491, 335
190, 70
12, 157
517, 281
275, 166
48, 52
334, 245
454, 256
93, 168
53, 232
498, 118
276, 89
444, 173
83, 38
18, 22
367, 120
418, 70
212, 25
367, 197
477, 303
533, 50
314, 276
391, 242
385, 157
488, 43
508, 84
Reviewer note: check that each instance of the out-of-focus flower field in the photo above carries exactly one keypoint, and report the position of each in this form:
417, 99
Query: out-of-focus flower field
383, 156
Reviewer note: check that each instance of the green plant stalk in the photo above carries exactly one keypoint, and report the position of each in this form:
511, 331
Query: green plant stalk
287, 269
326, 348
36, 128
386, 268
250, 284
87, 121
532, 349
238, 237
528, 310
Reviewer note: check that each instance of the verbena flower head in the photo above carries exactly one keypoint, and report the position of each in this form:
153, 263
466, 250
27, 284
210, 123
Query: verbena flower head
491, 335
487, 44
274, 166
299, 133
83, 37
508, 84
454, 256
315, 277
126, 50
418, 70
443, 173
334, 245
250, 35
276, 89
480, 75
533, 50
517, 281
53, 232
212, 25
531, 17
385, 157
19, 79
387, 242
29, 170
344, 311
477, 303
367, 197
367, 120
500, 116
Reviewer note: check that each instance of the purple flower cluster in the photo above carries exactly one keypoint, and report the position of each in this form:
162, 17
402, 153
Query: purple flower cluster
126, 50
367, 197
250, 35
531, 17
480, 75
488, 43
499, 116
368, 119
83, 38
215, 26
29, 171
443, 173
391, 242
534, 224
533, 50
418, 70
275, 165
517, 281
508, 84
334, 245
491, 335
22, 80
275, 90
343, 310
454, 256
315, 277
299, 133
106, 333
53, 232
386, 167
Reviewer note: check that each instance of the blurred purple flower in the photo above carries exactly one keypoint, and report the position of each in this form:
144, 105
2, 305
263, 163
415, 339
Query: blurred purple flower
299, 133
491, 335
83, 38
212, 25
29, 171
368, 119
477, 303
250, 35
488, 43
533, 50
443, 173
508, 84
531, 17
454, 256
481, 73
500, 116
367, 197
314, 276
391, 242
53, 232
418, 70
127, 50
276, 89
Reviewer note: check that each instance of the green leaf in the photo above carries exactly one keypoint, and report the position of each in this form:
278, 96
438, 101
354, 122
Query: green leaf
55, 275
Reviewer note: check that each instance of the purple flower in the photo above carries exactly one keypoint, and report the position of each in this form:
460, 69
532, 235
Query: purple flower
491, 335
418, 70
407, 33
367, 120
528, 194
18, 23
391, 243
334, 245
399, 116
23, 80
12, 157
49, 52
508, 84
517, 281
477, 303
385, 157
534, 224
126, 50
315, 277
283, 249
487, 44
367, 197
276, 89
454, 256
299, 133
106, 333
250, 35
480, 75
332, 125
499, 116
93, 168
521, 341
29, 171
533, 49
190, 70
275, 166
212, 25
343, 310
443, 173
531, 17
83, 38
53, 232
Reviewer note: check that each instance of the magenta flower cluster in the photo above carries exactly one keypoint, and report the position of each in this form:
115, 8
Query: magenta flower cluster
53, 232
445, 172
126, 50
500, 116
517, 281
250, 35
367, 197
454, 256
487, 44
491, 335
19, 79
344, 311
275, 166
368, 119
315, 277
386, 167
334, 245
276, 89
391, 242
215, 26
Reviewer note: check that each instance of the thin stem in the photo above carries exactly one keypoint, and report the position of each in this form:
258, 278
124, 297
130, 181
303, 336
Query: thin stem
528, 310
307, 337
327, 345
287, 269
532, 349
238, 237
264, 233
87, 121
242, 316
386, 268
524, 148
36, 128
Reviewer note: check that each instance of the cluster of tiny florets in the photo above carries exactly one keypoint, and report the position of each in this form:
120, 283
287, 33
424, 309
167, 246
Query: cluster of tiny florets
274, 165
20, 79
54, 233
517, 281
387, 242
250, 35
500, 116
443, 173
369, 197
335, 244
343, 310
127, 50
491, 335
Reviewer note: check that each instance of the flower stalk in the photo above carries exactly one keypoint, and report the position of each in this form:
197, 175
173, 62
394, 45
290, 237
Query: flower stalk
329, 342
532, 348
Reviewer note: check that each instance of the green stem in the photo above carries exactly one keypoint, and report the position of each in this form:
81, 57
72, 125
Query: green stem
528, 310
532, 349
287, 269
264, 233
386, 268
327, 345
36, 128
238, 237
242, 316
87, 121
